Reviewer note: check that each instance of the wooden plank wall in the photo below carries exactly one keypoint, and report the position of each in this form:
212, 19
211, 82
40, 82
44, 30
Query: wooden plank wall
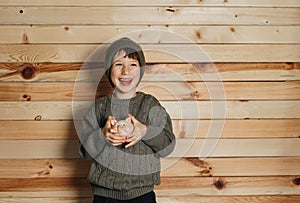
252, 74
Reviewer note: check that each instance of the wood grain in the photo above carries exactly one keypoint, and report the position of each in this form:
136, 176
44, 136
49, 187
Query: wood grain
82, 34
156, 53
163, 91
151, 15
40, 149
170, 187
171, 167
257, 3
191, 199
46, 110
87, 72
194, 50
65, 130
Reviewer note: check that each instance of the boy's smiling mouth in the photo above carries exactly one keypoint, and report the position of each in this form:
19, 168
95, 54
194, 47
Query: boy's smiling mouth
125, 81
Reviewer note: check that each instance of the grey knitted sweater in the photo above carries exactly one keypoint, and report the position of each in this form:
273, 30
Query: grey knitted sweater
121, 173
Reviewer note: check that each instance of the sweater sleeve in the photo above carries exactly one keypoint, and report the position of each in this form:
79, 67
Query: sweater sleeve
92, 141
159, 135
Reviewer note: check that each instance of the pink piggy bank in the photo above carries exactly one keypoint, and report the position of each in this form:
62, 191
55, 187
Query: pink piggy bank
125, 127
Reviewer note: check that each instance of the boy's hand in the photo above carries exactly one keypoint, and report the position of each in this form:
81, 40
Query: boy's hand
111, 134
138, 133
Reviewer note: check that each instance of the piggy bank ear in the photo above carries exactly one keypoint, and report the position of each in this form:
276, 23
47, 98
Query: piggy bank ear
128, 120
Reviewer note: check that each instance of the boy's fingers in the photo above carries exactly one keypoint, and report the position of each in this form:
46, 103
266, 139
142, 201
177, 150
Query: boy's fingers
110, 121
131, 144
133, 119
107, 124
116, 137
130, 139
115, 143
113, 130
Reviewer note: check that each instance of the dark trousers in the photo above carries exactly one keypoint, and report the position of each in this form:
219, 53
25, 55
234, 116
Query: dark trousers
146, 198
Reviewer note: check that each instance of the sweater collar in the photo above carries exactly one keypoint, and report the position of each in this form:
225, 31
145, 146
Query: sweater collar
114, 100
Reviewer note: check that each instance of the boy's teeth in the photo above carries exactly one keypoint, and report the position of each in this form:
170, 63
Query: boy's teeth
124, 79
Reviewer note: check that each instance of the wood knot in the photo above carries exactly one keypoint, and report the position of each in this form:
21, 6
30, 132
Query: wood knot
25, 38
38, 118
290, 66
171, 10
205, 167
28, 72
182, 134
43, 173
296, 181
26, 97
196, 94
198, 35
51, 166
219, 184
232, 29
67, 28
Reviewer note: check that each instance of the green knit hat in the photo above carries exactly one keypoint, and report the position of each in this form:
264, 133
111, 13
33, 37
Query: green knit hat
123, 43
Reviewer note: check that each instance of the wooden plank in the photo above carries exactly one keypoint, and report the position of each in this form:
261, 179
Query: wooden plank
44, 168
171, 53
162, 91
256, 3
233, 109
238, 128
45, 110
171, 167
170, 187
47, 130
70, 72
223, 72
259, 166
242, 147
40, 149
230, 199
44, 187
63, 91
191, 199
227, 186
45, 72
167, 34
65, 130
151, 15
220, 90
47, 200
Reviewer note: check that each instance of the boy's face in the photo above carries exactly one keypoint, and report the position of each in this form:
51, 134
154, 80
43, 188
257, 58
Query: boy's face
125, 74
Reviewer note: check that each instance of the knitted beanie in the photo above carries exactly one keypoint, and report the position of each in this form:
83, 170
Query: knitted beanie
118, 45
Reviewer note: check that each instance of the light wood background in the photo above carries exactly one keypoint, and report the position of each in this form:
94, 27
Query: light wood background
227, 71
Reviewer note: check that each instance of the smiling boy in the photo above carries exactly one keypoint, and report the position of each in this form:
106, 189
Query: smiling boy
126, 168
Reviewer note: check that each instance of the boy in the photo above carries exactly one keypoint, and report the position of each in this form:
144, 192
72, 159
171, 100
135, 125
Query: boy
126, 168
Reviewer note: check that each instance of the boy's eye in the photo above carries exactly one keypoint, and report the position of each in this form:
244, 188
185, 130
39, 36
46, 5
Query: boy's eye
118, 64
133, 64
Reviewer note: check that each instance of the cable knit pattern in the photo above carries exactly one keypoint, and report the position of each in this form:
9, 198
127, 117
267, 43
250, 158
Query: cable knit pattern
126, 173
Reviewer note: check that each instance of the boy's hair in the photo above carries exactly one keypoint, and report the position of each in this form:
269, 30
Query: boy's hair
131, 49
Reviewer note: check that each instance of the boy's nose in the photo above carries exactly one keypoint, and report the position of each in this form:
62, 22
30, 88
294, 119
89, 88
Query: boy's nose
125, 69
